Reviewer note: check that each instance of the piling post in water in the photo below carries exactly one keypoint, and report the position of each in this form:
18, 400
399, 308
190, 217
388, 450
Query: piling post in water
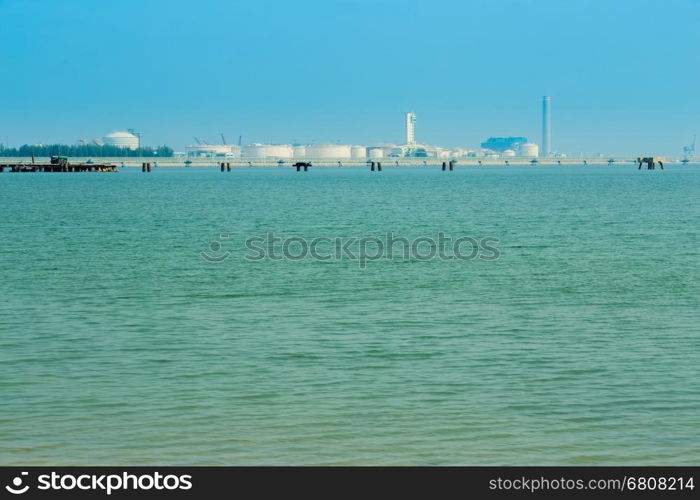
148, 167
452, 165
379, 166
228, 166
306, 167
222, 166
371, 168
443, 166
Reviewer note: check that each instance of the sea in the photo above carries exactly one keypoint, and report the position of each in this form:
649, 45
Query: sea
145, 320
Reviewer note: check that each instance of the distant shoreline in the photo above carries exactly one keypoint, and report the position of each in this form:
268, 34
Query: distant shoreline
355, 162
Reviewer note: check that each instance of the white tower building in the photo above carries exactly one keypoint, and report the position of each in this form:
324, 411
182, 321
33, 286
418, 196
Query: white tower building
410, 129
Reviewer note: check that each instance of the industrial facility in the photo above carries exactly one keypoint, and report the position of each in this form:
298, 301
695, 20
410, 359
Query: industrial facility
519, 146
493, 147
502, 144
122, 139
205, 150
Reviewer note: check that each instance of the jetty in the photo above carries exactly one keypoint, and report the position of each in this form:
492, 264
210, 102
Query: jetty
58, 164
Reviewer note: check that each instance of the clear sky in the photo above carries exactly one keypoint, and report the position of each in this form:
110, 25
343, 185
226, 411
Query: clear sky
624, 75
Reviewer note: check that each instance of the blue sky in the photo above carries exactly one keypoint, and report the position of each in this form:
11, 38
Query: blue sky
624, 76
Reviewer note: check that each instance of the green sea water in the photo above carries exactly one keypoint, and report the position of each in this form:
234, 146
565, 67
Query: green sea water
120, 344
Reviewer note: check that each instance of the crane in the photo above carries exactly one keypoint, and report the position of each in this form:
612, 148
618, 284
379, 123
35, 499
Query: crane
690, 150
223, 139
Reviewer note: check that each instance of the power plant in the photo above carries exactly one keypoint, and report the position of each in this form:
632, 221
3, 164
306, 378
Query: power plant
494, 148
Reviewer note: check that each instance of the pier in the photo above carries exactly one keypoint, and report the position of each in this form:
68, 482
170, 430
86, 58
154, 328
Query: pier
112, 164
58, 164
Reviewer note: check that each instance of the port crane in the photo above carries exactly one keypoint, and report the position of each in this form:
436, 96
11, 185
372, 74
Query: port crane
690, 150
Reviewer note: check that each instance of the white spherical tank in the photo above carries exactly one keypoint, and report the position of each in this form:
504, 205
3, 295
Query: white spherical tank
376, 153
121, 140
508, 152
358, 152
268, 151
328, 151
529, 149
299, 151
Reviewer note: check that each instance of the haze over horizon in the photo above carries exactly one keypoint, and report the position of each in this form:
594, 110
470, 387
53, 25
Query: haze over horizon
623, 76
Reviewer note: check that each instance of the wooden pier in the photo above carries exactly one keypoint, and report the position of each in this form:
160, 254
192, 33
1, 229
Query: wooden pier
58, 164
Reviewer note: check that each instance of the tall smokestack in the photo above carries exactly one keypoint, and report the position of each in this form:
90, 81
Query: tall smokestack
546, 126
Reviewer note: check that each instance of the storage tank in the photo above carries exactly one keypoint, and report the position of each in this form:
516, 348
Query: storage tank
328, 151
376, 153
268, 151
121, 140
358, 152
529, 149
299, 151
508, 152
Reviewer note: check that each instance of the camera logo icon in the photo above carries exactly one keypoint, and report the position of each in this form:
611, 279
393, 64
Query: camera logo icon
217, 255
16, 487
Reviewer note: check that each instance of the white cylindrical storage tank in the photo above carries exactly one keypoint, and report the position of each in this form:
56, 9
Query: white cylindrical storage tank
529, 149
508, 152
376, 153
358, 152
299, 151
329, 151
268, 151
121, 140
